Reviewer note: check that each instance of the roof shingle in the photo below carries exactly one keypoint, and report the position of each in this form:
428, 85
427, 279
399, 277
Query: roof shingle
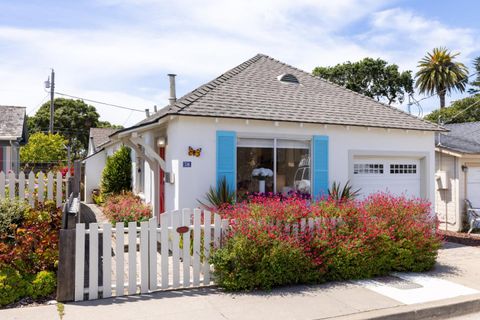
12, 121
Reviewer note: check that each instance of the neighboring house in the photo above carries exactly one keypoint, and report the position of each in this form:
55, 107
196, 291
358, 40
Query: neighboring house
267, 114
99, 148
457, 173
13, 134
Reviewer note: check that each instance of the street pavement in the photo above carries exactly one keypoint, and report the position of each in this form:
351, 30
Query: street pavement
452, 287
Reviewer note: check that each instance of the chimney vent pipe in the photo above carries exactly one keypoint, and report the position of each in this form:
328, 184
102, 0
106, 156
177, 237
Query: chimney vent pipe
173, 96
147, 112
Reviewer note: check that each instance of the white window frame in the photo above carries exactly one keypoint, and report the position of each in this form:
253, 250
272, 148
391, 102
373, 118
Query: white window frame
307, 141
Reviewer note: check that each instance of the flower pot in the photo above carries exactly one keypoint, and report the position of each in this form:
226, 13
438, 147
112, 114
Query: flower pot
261, 186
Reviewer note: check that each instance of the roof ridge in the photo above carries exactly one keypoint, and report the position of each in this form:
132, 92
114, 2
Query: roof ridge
345, 88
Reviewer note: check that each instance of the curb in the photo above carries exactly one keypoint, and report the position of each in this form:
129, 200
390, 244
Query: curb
442, 309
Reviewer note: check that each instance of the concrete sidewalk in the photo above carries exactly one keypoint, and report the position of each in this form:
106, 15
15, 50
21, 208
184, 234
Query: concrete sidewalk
456, 276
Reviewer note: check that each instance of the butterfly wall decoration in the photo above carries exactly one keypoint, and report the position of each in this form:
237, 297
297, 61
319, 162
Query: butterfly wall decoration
194, 152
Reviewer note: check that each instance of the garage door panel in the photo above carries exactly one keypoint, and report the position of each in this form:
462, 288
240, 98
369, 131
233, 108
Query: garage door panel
395, 176
473, 186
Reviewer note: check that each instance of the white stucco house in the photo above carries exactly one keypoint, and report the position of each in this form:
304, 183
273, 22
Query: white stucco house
13, 134
457, 174
266, 114
99, 148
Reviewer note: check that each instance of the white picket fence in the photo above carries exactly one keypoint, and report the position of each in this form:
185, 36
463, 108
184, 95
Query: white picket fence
51, 186
156, 257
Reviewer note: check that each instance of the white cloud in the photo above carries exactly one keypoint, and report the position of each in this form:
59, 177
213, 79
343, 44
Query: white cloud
125, 63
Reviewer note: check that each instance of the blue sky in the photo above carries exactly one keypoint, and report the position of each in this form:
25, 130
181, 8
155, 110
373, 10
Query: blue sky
120, 51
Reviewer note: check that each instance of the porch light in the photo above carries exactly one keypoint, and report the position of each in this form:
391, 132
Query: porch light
464, 168
161, 142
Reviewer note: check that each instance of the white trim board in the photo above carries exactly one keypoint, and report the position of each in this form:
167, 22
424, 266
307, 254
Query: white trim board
432, 289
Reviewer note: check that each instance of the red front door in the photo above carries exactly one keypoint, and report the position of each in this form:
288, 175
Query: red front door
161, 152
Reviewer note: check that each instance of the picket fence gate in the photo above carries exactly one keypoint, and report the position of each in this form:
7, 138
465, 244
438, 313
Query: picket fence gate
52, 186
156, 255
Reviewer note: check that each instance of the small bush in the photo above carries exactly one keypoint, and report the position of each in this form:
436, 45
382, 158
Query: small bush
12, 286
43, 284
125, 208
117, 174
246, 264
11, 214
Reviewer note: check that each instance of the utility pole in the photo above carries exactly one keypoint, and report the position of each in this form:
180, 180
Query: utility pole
52, 97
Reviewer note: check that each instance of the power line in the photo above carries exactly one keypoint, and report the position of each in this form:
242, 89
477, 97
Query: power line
99, 102
38, 106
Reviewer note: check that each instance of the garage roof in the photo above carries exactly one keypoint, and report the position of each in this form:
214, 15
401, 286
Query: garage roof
463, 137
258, 89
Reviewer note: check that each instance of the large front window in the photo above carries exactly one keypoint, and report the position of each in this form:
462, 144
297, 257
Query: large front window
273, 165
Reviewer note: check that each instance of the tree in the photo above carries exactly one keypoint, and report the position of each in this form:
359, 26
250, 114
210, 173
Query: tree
374, 78
476, 83
439, 74
117, 174
72, 118
43, 147
463, 110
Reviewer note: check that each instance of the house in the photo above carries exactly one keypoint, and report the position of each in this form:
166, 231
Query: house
13, 134
99, 148
268, 116
457, 167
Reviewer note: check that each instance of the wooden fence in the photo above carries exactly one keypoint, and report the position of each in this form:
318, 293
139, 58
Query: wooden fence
118, 260
52, 186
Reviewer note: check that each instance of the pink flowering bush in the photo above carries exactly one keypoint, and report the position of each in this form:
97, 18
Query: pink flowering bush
126, 207
278, 241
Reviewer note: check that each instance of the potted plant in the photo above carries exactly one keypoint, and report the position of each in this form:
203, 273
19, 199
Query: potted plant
261, 174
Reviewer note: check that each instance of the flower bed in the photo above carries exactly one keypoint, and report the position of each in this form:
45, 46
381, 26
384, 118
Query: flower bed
126, 207
28, 250
349, 240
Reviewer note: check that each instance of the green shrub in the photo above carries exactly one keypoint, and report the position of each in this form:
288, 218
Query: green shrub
117, 174
12, 286
245, 264
11, 212
43, 284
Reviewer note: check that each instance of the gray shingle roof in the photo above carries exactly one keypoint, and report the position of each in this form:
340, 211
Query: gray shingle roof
100, 136
463, 137
12, 122
252, 91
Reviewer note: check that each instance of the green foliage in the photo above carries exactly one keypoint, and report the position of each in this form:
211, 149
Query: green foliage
220, 195
476, 83
440, 74
374, 78
244, 264
44, 147
12, 286
459, 111
72, 118
43, 284
342, 194
11, 213
117, 174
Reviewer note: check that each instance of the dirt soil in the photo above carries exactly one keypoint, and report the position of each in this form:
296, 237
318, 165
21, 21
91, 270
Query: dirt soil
461, 237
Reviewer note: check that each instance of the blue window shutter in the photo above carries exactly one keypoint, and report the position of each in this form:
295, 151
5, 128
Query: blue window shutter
227, 157
320, 166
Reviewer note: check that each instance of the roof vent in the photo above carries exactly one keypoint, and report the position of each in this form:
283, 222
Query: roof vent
289, 78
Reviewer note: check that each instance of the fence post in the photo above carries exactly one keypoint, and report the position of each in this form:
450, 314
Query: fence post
66, 256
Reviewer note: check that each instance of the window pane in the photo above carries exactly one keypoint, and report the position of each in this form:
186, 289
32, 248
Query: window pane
293, 170
248, 159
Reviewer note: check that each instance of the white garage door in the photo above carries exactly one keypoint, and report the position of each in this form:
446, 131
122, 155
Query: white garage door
473, 186
396, 176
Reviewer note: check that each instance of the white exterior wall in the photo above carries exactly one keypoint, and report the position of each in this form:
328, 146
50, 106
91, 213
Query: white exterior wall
449, 198
93, 170
345, 142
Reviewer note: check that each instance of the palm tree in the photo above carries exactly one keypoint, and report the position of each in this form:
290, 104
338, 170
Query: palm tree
438, 74
476, 83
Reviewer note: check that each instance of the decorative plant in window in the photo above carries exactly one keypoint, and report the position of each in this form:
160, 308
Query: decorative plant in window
261, 174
